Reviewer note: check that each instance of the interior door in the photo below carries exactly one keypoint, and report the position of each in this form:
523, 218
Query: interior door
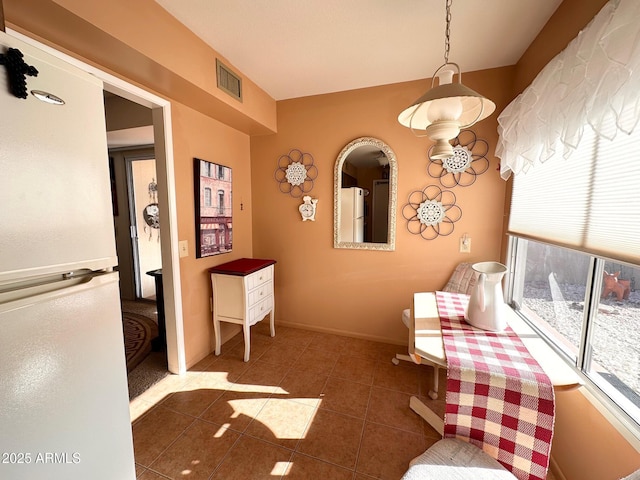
145, 226
380, 213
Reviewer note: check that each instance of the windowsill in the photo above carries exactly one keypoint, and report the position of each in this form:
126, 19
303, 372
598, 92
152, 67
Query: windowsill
554, 363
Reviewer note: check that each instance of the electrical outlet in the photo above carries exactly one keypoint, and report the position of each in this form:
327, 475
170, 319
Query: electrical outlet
465, 244
183, 247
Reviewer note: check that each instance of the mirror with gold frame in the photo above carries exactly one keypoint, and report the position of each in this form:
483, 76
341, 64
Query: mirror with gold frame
364, 196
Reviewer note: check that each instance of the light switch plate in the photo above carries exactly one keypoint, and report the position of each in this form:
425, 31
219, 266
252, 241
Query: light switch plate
183, 247
465, 244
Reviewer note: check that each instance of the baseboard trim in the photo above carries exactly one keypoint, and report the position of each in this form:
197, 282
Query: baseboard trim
336, 331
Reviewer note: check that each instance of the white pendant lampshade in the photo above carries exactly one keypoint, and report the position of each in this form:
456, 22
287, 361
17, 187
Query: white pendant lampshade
446, 108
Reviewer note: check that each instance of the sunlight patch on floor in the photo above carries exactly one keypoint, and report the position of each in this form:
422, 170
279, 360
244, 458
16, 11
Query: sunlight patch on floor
221, 430
282, 419
245, 388
280, 468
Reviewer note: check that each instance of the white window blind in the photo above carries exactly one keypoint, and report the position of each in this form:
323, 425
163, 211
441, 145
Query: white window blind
589, 201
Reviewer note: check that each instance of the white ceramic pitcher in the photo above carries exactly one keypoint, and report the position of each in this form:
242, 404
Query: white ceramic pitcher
486, 309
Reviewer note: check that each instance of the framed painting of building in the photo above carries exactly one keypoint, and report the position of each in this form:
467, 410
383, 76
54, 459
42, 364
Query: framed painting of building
213, 207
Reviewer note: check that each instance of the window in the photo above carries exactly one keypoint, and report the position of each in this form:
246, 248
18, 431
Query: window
588, 308
574, 227
221, 203
207, 197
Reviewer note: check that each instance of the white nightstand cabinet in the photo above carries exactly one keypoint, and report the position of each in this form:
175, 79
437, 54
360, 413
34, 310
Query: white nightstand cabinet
242, 294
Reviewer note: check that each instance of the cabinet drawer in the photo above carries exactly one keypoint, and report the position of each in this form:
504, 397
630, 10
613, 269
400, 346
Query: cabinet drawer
258, 312
259, 277
260, 293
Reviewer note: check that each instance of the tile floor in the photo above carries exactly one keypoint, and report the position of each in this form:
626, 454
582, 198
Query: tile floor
306, 406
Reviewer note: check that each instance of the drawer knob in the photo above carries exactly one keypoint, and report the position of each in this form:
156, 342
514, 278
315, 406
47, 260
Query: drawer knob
261, 293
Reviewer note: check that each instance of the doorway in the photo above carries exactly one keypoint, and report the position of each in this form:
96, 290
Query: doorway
158, 133
136, 218
144, 221
380, 211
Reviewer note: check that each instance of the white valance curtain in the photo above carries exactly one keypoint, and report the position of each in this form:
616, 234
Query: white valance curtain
594, 83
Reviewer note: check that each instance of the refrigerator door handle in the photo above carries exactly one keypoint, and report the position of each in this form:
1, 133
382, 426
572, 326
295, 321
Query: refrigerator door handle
77, 273
24, 290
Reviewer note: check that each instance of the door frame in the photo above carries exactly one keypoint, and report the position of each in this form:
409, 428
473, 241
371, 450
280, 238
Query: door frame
163, 144
133, 221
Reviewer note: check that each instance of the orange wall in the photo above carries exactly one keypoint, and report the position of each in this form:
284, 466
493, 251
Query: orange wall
356, 292
2, 26
196, 135
569, 18
585, 444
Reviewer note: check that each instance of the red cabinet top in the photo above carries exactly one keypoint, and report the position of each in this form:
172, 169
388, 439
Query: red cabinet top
242, 266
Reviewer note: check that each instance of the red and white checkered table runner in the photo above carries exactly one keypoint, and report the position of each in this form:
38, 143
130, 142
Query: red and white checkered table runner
498, 397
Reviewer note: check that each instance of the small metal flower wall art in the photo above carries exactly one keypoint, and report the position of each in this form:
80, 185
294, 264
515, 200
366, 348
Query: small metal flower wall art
468, 161
431, 212
296, 173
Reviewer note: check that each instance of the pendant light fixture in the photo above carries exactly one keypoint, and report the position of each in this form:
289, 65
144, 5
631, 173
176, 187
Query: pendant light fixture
446, 108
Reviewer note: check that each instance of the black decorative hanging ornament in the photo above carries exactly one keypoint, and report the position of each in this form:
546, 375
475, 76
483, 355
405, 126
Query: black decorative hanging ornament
17, 71
468, 161
151, 212
151, 215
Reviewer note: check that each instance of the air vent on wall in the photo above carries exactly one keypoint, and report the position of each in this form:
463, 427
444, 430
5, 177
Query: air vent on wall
228, 81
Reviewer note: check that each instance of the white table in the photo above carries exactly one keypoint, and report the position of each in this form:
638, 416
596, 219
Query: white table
425, 343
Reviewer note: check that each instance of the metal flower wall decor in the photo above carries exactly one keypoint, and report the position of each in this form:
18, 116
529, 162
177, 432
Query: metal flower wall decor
431, 212
468, 161
295, 173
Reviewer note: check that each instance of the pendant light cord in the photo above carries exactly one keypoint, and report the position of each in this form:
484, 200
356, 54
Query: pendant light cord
447, 32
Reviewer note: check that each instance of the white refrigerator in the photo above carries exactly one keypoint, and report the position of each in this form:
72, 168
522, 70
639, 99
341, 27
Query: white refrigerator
352, 214
64, 406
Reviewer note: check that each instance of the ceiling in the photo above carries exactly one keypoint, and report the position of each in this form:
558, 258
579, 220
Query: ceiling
130, 137
296, 48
